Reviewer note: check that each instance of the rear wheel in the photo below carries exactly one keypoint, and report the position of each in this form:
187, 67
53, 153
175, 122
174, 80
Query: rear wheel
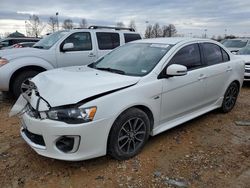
20, 84
230, 97
128, 134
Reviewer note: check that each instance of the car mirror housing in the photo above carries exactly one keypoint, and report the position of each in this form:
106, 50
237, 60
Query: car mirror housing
68, 47
176, 70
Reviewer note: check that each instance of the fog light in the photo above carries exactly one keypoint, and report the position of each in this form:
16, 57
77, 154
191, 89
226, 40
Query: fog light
68, 144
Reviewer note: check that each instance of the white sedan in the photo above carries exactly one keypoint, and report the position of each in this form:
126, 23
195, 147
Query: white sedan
113, 105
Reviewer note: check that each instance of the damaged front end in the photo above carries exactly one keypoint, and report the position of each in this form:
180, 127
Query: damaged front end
31, 102
37, 107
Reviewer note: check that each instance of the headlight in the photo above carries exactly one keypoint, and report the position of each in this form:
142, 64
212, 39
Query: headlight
3, 61
72, 115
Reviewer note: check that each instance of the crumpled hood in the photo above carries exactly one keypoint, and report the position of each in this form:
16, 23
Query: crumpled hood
72, 84
19, 52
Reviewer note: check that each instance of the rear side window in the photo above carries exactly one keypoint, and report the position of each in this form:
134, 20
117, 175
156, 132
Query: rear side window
107, 41
212, 53
225, 55
188, 56
131, 37
80, 40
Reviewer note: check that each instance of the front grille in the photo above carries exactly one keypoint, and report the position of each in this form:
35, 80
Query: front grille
247, 70
36, 138
247, 77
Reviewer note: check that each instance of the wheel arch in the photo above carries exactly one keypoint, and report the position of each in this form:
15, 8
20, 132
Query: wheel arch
25, 68
144, 108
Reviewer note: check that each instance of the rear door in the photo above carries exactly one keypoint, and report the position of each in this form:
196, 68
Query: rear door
107, 41
218, 70
83, 53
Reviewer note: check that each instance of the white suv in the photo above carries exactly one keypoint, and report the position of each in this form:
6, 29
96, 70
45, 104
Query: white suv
112, 105
61, 49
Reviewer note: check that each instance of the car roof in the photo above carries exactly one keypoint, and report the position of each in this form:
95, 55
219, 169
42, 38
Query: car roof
170, 40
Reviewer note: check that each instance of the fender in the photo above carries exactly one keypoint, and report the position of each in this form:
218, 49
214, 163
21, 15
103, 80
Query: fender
16, 64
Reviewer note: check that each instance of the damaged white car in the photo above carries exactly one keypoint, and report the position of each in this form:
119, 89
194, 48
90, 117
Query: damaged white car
113, 105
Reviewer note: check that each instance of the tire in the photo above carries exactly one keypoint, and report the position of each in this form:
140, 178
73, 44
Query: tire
128, 134
20, 79
230, 97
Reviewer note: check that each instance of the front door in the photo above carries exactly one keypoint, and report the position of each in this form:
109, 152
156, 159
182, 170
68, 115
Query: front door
82, 53
184, 94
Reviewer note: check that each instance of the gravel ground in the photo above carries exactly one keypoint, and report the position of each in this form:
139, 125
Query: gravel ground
209, 151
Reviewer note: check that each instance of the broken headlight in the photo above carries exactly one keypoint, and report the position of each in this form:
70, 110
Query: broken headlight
72, 115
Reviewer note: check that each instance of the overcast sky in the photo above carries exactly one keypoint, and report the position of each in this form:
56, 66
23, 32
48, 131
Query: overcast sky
189, 16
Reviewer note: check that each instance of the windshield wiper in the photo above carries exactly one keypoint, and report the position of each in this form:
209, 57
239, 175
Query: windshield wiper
110, 70
39, 47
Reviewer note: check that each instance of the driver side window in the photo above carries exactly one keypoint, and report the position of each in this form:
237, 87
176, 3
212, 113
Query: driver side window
188, 56
80, 40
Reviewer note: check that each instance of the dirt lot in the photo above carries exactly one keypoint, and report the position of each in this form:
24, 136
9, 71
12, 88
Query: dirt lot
210, 151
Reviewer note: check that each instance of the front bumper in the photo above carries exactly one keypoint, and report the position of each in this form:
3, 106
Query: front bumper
5, 74
93, 137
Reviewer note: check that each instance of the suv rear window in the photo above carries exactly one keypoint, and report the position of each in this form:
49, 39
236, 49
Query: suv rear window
107, 41
131, 37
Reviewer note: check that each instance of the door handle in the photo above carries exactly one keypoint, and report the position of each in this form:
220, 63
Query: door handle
202, 77
229, 69
91, 54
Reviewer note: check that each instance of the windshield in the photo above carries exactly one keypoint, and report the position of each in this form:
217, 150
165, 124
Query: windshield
49, 41
244, 51
134, 59
235, 43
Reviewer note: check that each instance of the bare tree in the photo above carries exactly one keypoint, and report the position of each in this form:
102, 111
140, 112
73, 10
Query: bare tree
132, 24
148, 31
34, 26
68, 24
6, 34
52, 24
156, 31
172, 30
120, 24
83, 23
168, 30
165, 31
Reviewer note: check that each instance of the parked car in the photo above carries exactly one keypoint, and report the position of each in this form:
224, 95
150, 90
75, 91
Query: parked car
61, 49
21, 45
112, 105
244, 53
234, 45
11, 41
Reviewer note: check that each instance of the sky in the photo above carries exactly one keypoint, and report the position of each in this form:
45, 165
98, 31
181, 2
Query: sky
191, 17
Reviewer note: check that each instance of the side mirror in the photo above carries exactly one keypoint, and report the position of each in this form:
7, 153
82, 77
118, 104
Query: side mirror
176, 70
67, 47
234, 52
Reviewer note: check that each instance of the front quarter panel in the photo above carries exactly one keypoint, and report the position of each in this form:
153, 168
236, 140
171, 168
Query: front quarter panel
147, 94
9, 69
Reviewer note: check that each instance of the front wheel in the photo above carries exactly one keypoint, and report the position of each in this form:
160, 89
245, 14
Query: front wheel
230, 97
128, 134
19, 84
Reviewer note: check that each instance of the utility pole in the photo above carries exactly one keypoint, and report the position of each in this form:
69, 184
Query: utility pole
57, 20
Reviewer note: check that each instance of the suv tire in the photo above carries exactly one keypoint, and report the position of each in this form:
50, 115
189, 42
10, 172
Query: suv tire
20, 79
